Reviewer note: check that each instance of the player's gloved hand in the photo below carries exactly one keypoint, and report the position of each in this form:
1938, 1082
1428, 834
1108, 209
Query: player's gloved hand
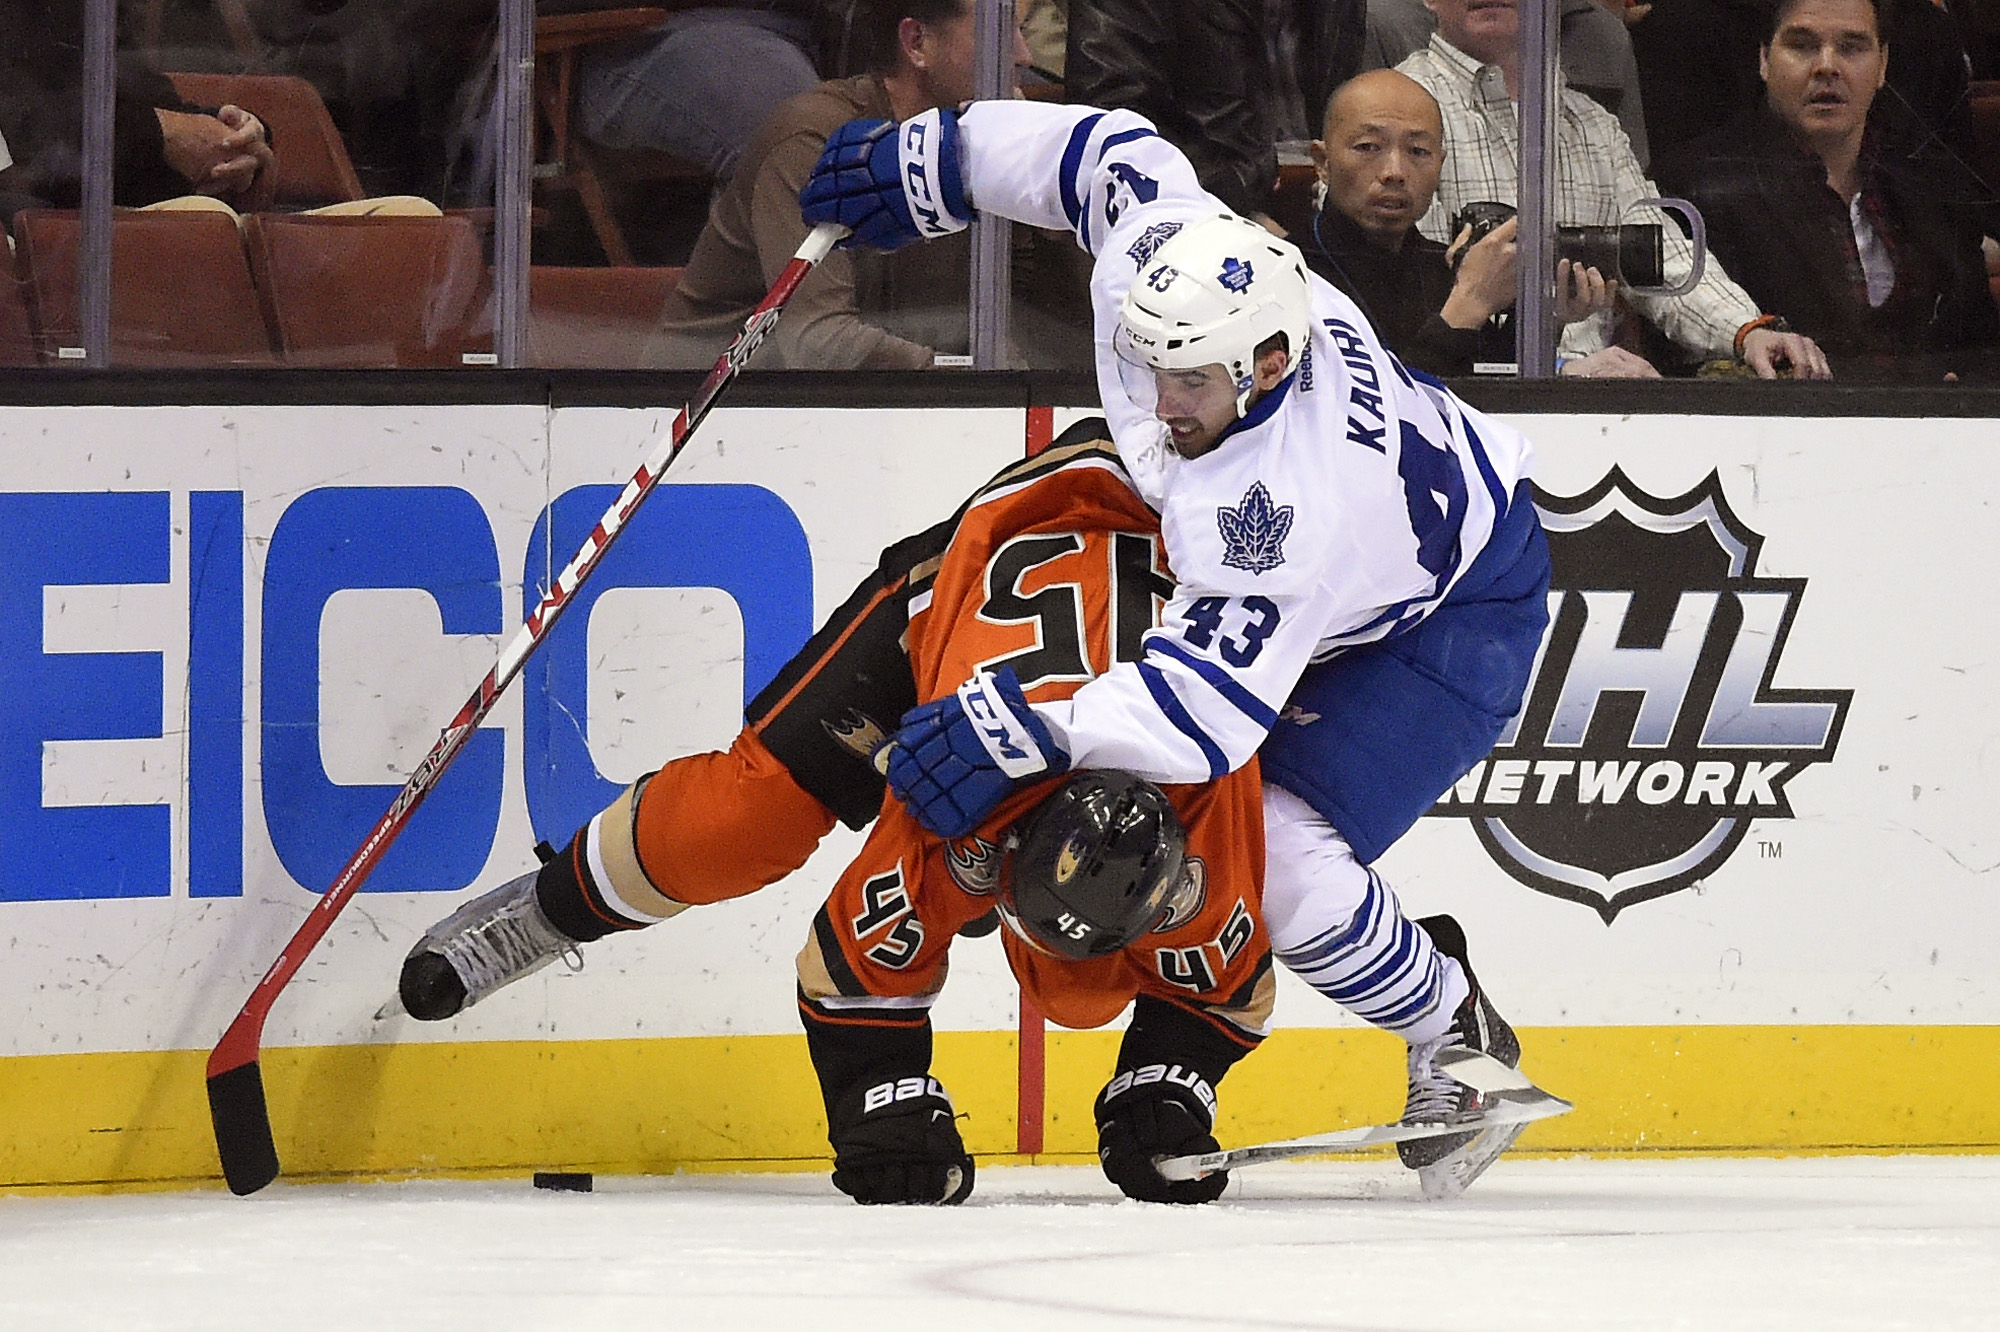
1152, 1111
895, 1141
954, 759
888, 183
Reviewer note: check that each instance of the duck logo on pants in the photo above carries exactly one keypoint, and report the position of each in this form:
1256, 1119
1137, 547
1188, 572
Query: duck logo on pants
1652, 730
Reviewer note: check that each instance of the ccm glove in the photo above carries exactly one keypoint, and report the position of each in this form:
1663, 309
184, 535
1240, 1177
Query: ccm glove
890, 184
895, 1142
955, 759
1152, 1111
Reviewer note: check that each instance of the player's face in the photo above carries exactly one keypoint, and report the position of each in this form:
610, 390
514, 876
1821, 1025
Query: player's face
1486, 30
1197, 405
1824, 66
1381, 157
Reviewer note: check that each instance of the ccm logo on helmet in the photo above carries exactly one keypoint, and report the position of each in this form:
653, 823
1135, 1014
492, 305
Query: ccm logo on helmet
902, 1089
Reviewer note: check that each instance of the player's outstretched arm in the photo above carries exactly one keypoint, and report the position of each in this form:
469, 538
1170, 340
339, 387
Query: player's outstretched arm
955, 759
891, 1124
890, 184
1161, 1102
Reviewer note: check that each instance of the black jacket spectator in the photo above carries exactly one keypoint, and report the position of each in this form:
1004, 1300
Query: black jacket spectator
1787, 237
1401, 292
41, 110
1200, 70
1698, 73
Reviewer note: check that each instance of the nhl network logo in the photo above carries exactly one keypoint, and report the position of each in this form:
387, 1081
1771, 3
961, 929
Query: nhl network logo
1650, 735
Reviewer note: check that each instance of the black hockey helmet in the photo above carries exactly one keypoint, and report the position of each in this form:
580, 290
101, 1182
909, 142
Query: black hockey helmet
1092, 867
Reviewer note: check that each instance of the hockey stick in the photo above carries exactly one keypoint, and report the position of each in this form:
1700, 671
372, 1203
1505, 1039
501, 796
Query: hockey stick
1518, 1101
236, 1100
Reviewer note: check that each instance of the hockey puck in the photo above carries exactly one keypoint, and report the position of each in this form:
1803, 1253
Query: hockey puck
563, 1181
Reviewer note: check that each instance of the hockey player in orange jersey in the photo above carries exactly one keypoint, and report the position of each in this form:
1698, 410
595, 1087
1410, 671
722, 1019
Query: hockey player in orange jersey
1049, 572
1111, 890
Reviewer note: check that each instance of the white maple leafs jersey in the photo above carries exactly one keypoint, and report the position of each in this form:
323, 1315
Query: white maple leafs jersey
1340, 511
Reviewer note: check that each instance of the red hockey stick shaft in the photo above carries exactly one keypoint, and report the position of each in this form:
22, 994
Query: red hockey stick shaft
236, 1098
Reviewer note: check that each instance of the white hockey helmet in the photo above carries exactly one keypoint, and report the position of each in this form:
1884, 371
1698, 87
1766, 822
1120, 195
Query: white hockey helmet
1212, 294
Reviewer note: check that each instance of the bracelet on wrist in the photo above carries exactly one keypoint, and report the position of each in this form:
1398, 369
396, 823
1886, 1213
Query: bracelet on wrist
1776, 323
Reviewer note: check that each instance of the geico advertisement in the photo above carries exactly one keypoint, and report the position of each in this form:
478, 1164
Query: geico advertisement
230, 634
1749, 783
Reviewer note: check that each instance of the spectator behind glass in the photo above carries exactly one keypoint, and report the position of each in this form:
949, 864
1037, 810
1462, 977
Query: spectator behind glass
1861, 248
1597, 56
1201, 71
162, 147
860, 309
1377, 162
1472, 68
701, 83
1698, 66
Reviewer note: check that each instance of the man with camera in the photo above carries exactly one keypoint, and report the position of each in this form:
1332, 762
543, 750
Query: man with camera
1472, 67
1442, 310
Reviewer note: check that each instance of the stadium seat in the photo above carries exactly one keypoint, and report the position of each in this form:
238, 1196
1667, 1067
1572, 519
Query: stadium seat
593, 318
371, 291
563, 160
181, 294
313, 166
17, 336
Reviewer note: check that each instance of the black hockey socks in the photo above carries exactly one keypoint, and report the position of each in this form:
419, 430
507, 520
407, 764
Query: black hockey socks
573, 903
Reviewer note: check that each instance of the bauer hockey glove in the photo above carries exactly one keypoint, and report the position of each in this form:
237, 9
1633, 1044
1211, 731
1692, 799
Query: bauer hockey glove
896, 1142
956, 758
1153, 1111
890, 184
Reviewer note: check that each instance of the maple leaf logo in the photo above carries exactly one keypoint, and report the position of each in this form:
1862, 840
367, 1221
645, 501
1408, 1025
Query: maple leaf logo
1235, 275
1253, 533
1150, 240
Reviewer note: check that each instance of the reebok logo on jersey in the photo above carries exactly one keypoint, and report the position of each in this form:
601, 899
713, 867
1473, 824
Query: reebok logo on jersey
1253, 533
1651, 733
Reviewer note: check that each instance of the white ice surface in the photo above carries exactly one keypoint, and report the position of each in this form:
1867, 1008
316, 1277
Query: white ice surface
1870, 1244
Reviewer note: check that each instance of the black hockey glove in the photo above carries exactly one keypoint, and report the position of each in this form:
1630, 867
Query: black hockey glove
1152, 1111
896, 1142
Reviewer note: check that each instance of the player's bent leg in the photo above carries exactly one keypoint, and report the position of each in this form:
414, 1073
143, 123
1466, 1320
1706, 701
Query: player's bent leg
1445, 1166
711, 827
1341, 929
703, 829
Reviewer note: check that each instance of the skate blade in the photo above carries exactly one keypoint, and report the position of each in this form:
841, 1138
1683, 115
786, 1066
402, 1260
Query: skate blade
1481, 1072
1449, 1176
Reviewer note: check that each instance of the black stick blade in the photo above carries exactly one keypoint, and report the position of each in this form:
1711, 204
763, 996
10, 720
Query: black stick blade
242, 1129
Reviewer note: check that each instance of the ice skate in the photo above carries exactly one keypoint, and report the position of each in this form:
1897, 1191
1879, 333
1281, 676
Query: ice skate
1445, 1166
489, 942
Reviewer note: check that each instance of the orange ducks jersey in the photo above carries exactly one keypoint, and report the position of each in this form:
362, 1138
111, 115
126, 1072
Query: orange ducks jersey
1054, 569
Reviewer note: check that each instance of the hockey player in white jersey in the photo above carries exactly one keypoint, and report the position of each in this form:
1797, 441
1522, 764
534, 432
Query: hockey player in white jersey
1363, 579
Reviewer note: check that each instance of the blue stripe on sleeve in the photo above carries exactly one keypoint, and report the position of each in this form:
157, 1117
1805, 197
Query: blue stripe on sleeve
1218, 679
1486, 472
1125, 136
1072, 160
1170, 706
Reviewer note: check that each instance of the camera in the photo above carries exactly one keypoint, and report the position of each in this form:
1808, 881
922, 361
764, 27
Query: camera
1633, 255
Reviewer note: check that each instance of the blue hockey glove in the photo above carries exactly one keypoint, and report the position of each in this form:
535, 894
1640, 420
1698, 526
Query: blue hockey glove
890, 184
955, 759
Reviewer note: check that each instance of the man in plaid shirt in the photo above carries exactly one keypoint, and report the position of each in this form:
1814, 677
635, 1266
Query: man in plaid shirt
1472, 68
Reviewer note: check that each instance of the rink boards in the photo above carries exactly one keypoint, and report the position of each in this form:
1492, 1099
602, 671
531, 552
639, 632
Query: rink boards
1728, 872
